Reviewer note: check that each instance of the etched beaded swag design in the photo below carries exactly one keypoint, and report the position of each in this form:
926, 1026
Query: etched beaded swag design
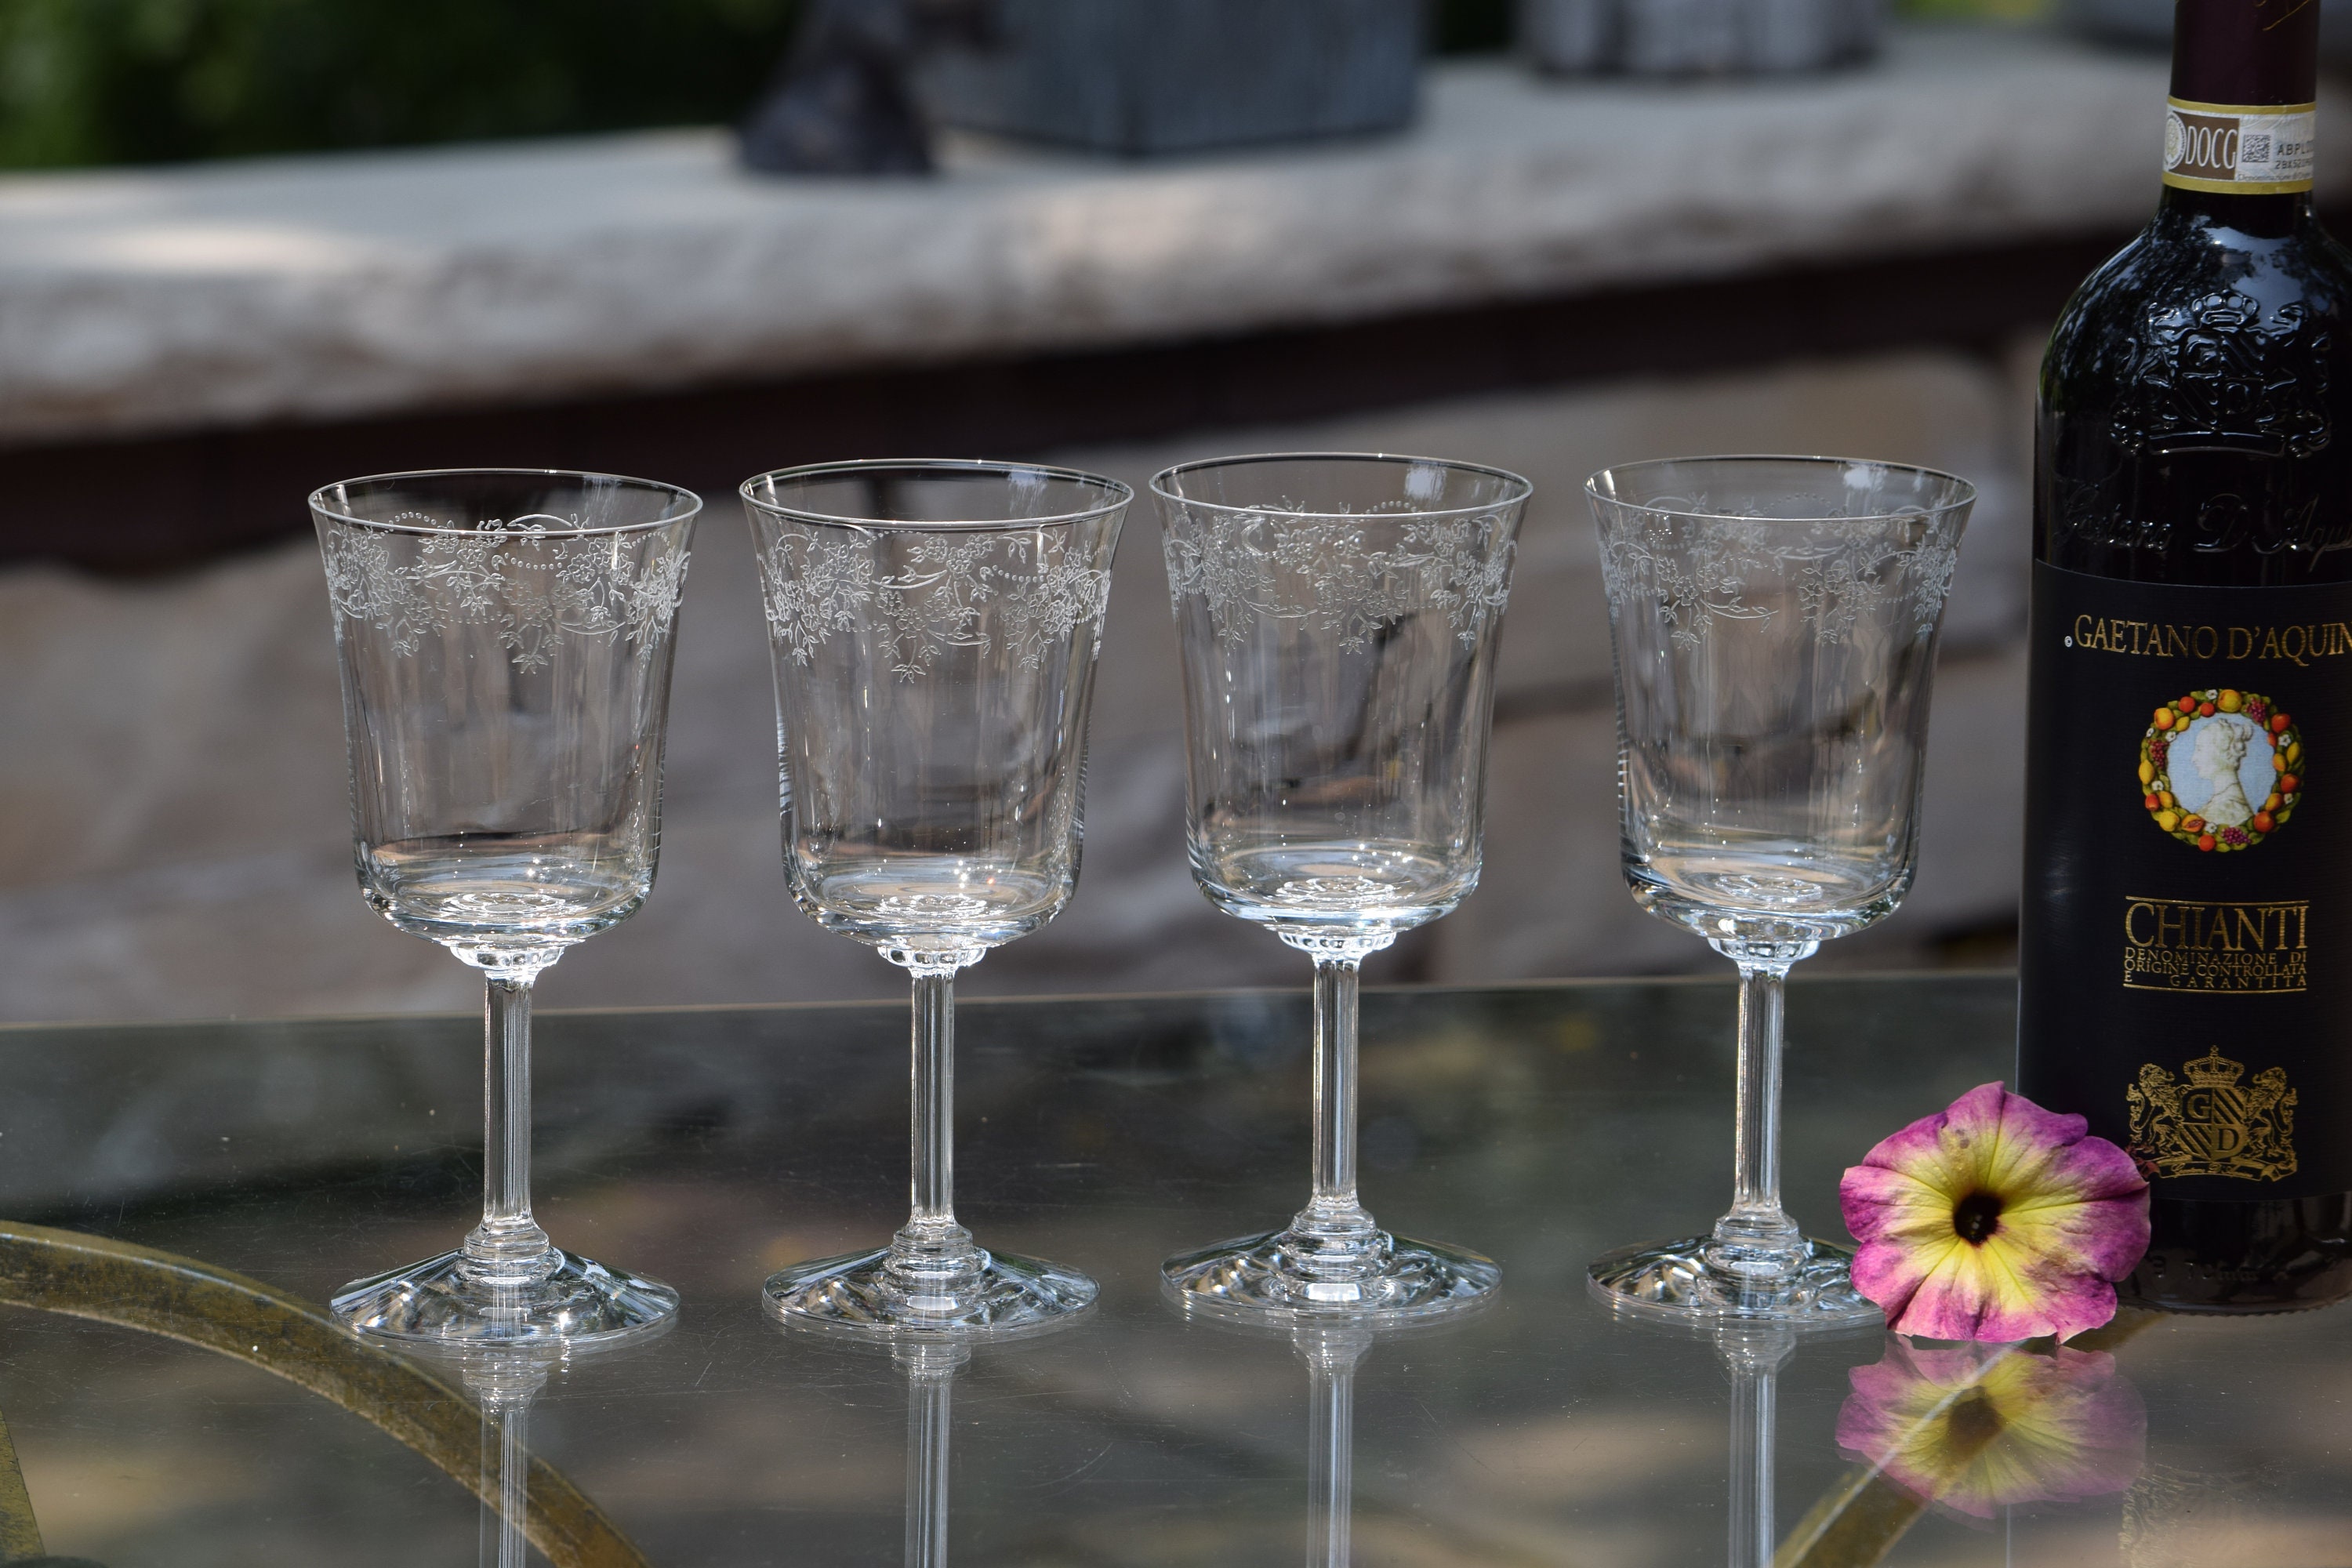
2222, 736
1037, 589
1285, 563
1845, 575
409, 586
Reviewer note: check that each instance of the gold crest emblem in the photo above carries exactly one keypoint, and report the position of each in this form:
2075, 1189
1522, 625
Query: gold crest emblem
2212, 1125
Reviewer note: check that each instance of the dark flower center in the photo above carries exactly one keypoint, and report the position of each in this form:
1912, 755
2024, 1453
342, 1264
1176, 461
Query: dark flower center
1977, 1217
1973, 1423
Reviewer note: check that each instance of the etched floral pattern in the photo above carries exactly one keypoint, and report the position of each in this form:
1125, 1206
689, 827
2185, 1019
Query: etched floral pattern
1349, 575
528, 580
1031, 589
1697, 570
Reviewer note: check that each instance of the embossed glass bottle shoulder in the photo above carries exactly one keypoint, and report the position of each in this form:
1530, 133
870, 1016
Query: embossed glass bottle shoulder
2193, 435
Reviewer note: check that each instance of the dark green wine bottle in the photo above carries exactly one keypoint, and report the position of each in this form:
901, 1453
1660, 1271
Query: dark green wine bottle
2186, 937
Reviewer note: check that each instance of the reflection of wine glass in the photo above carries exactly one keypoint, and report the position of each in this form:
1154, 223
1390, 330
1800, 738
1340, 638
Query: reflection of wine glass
934, 627
930, 1367
1754, 1354
504, 1386
506, 640
1338, 618
1774, 624
1330, 1353
930, 1363
504, 1381
1331, 1349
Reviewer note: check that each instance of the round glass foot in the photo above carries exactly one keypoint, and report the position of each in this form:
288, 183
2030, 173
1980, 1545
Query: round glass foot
1000, 1296
1258, 1279
445, 1303
1669, 1281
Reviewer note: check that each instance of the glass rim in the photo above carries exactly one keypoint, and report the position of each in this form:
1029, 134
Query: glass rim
1966, 490
1118, 494
694, 502
1522, 488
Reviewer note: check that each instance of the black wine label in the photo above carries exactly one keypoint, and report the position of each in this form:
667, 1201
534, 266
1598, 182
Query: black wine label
2186, 938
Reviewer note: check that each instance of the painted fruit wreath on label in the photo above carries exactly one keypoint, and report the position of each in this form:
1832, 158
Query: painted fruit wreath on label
2221, 769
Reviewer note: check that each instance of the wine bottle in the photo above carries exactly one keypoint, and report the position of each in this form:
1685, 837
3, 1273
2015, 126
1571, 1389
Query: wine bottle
2186, 933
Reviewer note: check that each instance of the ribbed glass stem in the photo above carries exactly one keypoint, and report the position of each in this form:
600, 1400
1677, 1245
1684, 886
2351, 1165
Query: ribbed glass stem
1756, 1152
1335, 1082
932, 1259
1757, 1248
932, 1120
507, 1247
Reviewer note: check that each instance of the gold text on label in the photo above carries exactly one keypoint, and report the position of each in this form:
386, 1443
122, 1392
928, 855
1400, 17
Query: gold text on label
2297, 645
2182, 944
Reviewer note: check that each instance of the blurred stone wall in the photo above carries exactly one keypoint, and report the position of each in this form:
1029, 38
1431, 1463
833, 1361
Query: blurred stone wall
177, 844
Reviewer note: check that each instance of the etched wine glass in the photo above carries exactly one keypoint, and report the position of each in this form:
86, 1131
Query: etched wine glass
934, 626
505, 639
1774, 625
1338, 617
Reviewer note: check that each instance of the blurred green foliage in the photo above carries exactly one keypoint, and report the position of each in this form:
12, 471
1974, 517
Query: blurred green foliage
143, 82
1993, 11
110, 81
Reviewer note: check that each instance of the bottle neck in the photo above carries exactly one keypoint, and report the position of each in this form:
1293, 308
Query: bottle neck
2258, 218
2239, 131
2250, 52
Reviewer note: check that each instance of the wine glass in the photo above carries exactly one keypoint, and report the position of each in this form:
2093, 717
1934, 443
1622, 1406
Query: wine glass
934, 626
1338, 616
505, 639
1774, 625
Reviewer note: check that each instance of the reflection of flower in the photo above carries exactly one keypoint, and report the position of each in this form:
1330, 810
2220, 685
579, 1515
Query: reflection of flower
1974, 1428
1994, 1219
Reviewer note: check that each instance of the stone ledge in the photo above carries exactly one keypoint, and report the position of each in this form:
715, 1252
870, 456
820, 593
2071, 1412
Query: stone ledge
335, 287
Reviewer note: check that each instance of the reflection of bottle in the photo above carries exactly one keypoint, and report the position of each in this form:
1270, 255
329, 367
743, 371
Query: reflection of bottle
2186, 947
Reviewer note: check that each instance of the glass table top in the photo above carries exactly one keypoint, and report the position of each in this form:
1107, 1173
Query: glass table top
162, 1411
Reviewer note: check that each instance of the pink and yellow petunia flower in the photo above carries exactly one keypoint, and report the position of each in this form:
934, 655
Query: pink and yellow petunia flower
1973, 1428
1995, 1219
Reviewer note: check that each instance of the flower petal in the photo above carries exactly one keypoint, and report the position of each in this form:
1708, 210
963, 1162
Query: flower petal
1969, 1295
2069, 1218
2100, 1237
1946, 1150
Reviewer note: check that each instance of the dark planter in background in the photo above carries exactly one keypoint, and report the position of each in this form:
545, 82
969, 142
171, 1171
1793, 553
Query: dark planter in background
1141, 77
1697, 38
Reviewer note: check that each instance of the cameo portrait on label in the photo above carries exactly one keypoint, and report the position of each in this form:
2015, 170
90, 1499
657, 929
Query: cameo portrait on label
2220, 770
